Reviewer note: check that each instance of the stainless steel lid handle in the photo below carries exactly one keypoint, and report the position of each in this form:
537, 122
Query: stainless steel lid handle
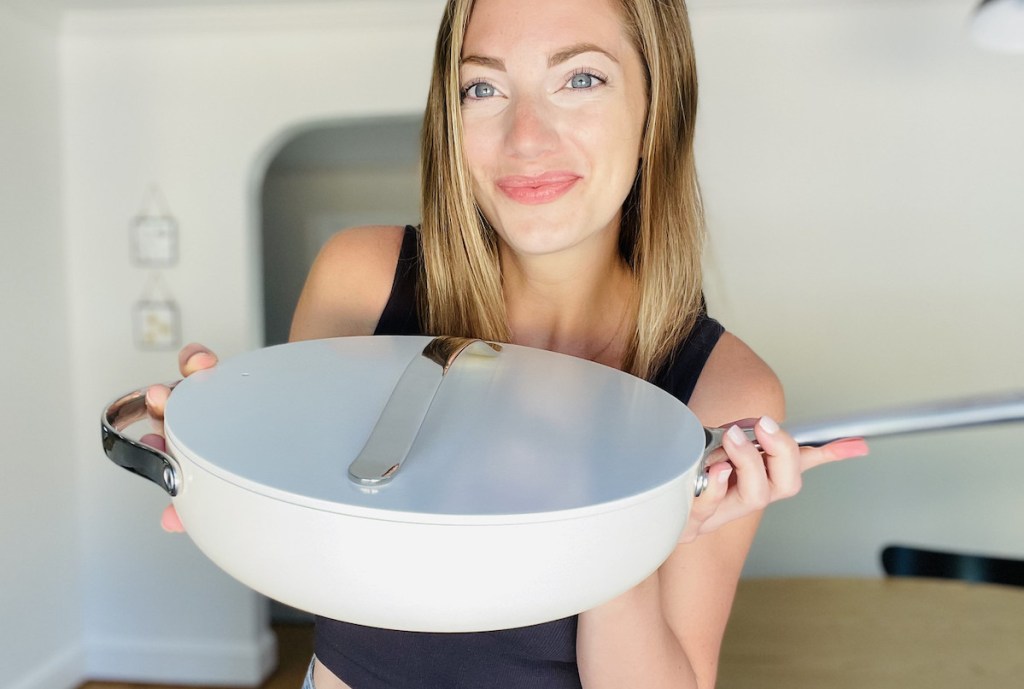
134, 455
392, 436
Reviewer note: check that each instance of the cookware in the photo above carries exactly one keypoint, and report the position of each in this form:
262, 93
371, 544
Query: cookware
442, 484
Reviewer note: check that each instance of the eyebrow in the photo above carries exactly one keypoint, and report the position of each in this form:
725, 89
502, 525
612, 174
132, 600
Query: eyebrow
578, 49
558, 58
492, 62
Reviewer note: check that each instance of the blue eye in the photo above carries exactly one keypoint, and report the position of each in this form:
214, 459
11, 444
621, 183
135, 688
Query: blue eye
582, 81
481, 89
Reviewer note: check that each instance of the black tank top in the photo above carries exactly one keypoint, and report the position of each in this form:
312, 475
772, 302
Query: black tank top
542, 656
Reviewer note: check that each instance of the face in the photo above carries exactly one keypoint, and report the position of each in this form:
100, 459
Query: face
553, 109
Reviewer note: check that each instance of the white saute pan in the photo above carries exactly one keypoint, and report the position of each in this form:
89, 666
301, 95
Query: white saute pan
440, 484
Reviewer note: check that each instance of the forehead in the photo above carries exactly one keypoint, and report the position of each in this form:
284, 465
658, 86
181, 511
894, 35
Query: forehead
500, 26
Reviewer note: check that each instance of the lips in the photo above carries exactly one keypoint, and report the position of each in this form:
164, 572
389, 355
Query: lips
533, 190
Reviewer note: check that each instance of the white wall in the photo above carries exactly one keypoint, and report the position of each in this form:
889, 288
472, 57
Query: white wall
863, 166
40, 621
194, 101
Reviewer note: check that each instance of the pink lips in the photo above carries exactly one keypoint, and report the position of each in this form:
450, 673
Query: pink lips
539, 189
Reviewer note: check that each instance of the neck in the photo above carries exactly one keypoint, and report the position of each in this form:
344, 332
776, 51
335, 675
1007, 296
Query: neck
582, 305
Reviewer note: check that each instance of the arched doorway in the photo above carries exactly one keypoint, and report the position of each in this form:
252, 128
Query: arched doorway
324, 179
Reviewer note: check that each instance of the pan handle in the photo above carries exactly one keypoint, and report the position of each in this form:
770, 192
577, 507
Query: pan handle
954, 413
963, 412
134, 455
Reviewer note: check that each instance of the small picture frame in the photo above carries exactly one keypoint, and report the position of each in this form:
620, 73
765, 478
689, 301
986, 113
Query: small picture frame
154, 241
157, 324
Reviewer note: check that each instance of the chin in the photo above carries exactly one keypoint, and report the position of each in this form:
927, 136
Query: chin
538, 239
535, 236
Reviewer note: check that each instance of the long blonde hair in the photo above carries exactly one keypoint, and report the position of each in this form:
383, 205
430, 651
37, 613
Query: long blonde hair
662, 231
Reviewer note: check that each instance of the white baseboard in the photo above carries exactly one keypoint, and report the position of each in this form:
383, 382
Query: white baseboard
182, 662
64, 670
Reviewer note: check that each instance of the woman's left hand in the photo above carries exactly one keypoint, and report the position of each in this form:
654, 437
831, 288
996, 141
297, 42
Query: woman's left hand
742, 480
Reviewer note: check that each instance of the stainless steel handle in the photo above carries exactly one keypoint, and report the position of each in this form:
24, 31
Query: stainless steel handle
134, 455
962, 412
955, 413
392, 436
713, 441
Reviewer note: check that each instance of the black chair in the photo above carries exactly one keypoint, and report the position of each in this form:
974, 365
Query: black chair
905, 561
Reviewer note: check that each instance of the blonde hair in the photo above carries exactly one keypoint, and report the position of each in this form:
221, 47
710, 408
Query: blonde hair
661, 237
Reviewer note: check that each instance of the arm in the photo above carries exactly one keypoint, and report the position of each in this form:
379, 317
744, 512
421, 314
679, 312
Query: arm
698, 582
668, 630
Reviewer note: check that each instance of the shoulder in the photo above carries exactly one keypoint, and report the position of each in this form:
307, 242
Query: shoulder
736, 384
349, 283
367, 244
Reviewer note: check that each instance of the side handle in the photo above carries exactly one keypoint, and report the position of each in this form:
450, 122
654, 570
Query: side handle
134, 455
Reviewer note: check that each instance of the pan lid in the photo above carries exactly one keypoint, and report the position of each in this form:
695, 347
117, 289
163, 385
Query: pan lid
527, 435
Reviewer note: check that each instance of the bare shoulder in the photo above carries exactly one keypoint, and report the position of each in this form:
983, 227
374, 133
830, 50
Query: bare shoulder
349, 283
736, 384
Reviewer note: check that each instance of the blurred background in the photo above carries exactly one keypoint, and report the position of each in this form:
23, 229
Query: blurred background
169, 169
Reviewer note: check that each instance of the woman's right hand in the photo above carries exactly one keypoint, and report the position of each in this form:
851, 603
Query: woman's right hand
192, 357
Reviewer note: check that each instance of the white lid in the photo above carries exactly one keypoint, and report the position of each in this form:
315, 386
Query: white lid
528, 435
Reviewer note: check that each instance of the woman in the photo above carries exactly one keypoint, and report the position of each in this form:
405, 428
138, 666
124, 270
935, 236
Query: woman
561, 211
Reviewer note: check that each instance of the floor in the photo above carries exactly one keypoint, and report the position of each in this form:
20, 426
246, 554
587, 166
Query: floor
295, 644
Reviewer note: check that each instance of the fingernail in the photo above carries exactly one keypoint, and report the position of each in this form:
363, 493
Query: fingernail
171, 523
768, 424
151, 393
736, 435
723, 477
854, 447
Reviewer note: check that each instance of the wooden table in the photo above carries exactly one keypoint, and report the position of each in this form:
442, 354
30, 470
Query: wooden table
874, 634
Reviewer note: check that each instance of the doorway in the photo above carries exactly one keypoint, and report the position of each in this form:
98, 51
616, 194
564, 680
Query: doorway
324, 179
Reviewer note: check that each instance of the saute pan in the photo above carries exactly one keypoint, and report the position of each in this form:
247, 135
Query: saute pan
442, 484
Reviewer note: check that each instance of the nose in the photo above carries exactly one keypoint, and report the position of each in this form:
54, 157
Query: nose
530, 129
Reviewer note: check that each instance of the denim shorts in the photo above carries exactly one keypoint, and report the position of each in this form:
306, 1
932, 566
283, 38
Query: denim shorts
308, 682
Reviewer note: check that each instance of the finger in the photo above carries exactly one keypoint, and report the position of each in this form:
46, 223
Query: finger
752, 485
707, 503
156, 400
195, 357
170, 521
782, 458
154, 441
846, 448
